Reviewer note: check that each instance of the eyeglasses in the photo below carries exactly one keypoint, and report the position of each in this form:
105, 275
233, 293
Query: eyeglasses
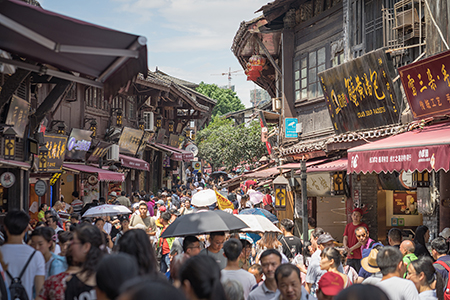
361, 235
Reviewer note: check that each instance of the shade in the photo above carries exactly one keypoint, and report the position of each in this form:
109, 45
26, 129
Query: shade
331, 166
419, 149
106, 210
14, 163
203, 222
174, 155
187, 155
134, 163
258, 223
261, 212
204, 198
103, 175
110, 57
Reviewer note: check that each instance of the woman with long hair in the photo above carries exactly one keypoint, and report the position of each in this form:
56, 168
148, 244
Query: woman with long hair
124, 227
136, 243
330, 261
420, 239
200, 279
83, 255
43, 240
428, 282
268, 241
41, 215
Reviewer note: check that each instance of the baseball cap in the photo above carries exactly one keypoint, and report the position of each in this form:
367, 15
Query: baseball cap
162, 209
331, 284
324, 238
445, 233
160, 202
113, 194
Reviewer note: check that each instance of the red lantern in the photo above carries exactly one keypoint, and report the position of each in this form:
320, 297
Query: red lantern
257, 62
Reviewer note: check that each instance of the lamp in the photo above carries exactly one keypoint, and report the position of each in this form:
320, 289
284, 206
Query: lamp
93, 127
188, 133
43, 159
10, 143
421, 179
159, 121
171, 126
61, 128
280, 187
119, 117
337, 183
142, 125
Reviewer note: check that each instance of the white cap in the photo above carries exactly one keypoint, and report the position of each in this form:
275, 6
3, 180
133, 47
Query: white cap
113, 194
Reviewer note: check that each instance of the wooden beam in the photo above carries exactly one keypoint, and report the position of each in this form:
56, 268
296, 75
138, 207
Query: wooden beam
267, 53
11, 85
47, 104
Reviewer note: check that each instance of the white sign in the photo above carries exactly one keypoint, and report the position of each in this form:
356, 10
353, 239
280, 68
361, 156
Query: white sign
318, 184
40, 188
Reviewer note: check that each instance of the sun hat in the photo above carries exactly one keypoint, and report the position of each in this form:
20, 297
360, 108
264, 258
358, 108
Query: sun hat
331, 284
113, 194
369, 263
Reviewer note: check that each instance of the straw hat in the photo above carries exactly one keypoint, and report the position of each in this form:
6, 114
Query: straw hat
369, 263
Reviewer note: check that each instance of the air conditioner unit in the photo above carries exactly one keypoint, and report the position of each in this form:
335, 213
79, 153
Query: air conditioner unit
113, 153
149, 120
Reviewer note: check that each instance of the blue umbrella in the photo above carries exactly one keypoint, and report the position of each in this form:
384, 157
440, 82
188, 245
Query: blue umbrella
260, 211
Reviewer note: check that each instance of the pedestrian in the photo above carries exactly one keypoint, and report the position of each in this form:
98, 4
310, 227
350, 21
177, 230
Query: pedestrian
42, 209
257, 271
233, 289
330, 261
123, 200
149, 287
124, 227
137, 244
291, 244
52, 222
43, 239
269, 240
216, 240
77, 204
395, 237
54, 212
407, 249
330, 284
150, 205
75, 218
64, 238
270, 260
290, 284
191, 245
112, 272
439, 250
165, 244
113, 198
19, 257
83, 256
232, 249
367, 244
372, 271
107, 241
362, 292
428, 282
200, 279
143, 220
390, 262
246, 253
351, 245
420, 240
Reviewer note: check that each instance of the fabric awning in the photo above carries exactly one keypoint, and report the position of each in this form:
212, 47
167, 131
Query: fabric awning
103, 175
111, 58
419, 149
331, 166
187, 155
15, 164
174, 155
134, 163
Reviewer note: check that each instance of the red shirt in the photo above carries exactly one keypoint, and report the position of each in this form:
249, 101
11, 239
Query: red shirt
352, 240
165, 244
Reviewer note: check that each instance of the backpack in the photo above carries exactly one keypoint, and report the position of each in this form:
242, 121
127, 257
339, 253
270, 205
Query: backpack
372, 244
447, 289
16, 289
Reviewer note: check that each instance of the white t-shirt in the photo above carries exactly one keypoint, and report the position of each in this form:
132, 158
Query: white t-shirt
246, 279
16, 256
397, 288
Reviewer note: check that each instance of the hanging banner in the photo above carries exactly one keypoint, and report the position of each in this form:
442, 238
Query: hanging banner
130, 140
78, 144
100, 150
56, 145
18, 115
427, 85
223, 202
360, 93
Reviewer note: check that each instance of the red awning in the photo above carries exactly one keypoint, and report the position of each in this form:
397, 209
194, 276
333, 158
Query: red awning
174, 154
103, 175
111, 58
420, 149
134, 163
187, 155
331, 166
15, 164
276, 170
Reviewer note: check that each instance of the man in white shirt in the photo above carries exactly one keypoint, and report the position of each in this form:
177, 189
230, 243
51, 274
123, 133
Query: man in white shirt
390, 262
16, 254
232, 249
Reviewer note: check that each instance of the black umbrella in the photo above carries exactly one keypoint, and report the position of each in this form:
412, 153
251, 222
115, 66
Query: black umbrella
203, 222
217, 174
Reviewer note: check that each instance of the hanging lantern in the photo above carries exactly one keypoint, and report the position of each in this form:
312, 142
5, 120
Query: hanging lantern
61, 128
280, 185
43, 159
188, 133
93, 127
159, 121
257, 62
10, 143
142, 125
119, 117
421, 179
337, 183
171, 126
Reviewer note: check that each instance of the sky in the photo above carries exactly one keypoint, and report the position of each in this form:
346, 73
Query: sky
188, 39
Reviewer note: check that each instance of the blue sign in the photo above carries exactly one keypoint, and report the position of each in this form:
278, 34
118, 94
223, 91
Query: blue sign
290, 125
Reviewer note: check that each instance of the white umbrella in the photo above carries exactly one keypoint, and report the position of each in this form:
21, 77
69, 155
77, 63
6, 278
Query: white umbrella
204, 198
258, 223
106, 210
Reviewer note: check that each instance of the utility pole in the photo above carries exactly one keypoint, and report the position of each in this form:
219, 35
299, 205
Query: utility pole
304, 200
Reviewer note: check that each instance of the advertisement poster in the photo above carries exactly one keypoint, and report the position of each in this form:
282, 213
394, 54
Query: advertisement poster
405, 203
78, 144
18, 115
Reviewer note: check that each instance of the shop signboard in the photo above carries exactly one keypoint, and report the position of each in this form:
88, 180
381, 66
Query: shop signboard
18, 115
318, 184
290, 125
148, 136
427, 85
78, 144
130, 140
100, 150
56, 145
174, 140
360, 94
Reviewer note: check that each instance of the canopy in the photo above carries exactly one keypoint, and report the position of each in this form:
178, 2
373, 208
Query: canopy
187, 155
174, 154
15, 163
419, 149
110, 57
134, 163
106, 210
331, 166
103, 175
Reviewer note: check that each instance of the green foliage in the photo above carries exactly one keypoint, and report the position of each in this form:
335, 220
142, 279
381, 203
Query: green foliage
223, 144
227, 101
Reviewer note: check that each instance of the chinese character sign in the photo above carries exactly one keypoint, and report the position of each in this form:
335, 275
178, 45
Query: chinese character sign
18, 115
130, 140
360, 94
100, 150
427, 85
56, 145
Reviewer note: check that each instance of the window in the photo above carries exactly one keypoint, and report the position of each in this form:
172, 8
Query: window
306, 69
337, 59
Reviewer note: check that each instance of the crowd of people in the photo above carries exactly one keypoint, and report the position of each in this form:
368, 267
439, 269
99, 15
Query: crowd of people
67, 256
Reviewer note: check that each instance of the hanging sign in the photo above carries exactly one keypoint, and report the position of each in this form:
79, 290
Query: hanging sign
78, 144
360, 93
56, 145
130, 140
318, 184
7, 179
290, 126
174, 140
54, 178
40, 188
18, 115
427, 85
100, 150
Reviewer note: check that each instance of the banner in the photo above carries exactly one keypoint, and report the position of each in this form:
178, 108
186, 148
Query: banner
223, 202
18, 115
